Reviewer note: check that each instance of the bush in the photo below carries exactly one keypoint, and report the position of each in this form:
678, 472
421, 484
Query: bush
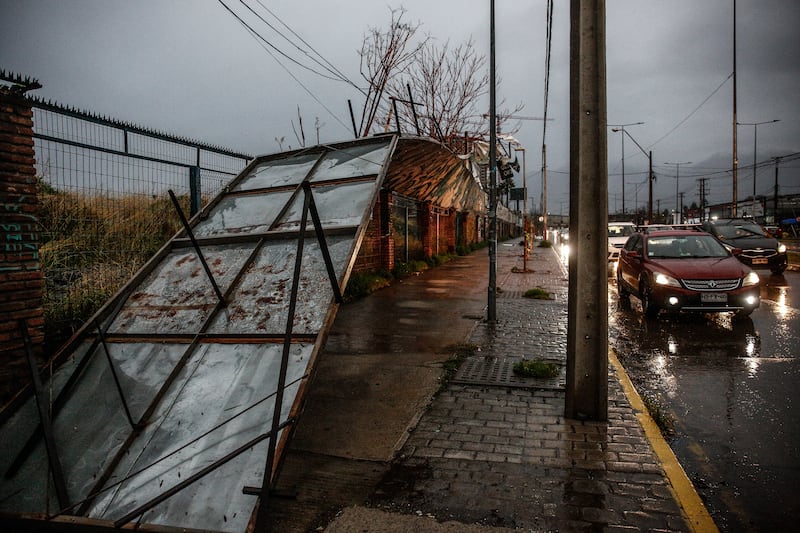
545, 244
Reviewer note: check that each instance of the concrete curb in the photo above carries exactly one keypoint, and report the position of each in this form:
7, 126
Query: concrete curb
697, 516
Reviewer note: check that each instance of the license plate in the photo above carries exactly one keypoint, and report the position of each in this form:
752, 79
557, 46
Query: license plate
714, 297
760, 260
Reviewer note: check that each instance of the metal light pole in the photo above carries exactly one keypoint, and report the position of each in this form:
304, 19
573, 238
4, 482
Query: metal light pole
755, 151
491, 314
650, 176
524, 212
621, 127
677, 192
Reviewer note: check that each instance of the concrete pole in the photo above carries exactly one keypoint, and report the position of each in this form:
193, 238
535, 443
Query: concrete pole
587, 326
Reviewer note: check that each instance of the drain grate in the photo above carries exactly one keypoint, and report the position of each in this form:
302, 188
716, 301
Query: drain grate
493, 371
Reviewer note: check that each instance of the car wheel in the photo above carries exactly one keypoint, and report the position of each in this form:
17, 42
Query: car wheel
649, 307
742, 313
778, 271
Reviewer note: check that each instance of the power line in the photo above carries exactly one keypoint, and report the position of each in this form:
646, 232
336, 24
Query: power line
696, 109
262, 41
327, 64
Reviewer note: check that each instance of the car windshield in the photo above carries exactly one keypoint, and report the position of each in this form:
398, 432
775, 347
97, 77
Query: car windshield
684, 247
736, 231
620, 231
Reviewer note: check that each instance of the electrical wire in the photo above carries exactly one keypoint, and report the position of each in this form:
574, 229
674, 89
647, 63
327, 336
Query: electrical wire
262, 42
328, 65
696, 109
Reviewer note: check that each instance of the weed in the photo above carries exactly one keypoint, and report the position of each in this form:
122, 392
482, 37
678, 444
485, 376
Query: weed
664, 419
538, 293
460, 352
536, 368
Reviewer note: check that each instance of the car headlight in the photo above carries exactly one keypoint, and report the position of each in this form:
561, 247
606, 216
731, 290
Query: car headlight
781, 248
663, 279
750, 279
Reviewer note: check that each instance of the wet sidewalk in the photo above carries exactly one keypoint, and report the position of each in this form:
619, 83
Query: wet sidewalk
493, 451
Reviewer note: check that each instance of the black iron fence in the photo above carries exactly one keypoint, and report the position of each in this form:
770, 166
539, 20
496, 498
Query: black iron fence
104, 203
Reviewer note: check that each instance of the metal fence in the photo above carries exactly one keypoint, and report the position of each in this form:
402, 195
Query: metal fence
104, 206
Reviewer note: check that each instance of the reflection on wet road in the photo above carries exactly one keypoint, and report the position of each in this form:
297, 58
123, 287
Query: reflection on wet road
734, 388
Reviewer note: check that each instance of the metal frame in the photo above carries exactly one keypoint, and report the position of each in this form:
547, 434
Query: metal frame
97, 335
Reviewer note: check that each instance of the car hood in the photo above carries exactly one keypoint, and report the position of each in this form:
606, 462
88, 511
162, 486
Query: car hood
703, 268
751, 242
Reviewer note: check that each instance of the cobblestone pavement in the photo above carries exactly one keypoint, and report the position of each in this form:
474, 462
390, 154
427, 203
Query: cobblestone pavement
497, 451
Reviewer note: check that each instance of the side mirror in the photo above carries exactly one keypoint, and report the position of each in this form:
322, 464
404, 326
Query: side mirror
632, 254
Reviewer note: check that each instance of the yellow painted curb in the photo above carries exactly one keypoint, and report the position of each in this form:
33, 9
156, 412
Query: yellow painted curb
697, 515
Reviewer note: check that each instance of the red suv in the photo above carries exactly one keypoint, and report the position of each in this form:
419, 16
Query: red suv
684, 270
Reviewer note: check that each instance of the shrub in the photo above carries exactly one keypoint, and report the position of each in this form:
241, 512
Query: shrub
545, 244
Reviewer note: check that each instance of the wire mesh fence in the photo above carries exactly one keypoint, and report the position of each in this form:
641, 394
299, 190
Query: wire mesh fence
104, 206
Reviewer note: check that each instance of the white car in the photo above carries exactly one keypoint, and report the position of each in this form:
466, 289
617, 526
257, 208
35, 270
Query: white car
618, 233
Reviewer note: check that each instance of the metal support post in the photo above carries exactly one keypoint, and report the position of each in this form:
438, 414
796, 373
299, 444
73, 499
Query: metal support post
196, 247
47, 424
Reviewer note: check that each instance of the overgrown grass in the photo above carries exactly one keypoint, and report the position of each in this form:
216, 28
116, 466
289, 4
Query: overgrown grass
536, 368
90, 245
362, 284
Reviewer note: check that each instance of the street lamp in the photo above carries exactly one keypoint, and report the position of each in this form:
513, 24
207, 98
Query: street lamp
755, 147
621, 127
678, 220
650, 175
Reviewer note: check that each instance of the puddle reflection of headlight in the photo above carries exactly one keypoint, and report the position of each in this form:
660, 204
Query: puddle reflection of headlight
672, 345
750, 345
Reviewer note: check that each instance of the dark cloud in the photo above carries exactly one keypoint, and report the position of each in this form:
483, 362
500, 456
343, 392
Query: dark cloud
186, 66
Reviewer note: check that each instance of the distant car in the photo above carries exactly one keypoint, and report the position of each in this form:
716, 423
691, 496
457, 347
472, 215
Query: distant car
758, 250
618, 233
650, 228
684, 270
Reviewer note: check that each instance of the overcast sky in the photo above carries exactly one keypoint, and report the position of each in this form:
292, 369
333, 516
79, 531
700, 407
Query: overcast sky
188, 67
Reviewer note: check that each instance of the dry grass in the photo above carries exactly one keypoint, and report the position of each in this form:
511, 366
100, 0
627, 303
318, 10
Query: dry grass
90, 246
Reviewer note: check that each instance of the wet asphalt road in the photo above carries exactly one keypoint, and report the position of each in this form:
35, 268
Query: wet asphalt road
734, 390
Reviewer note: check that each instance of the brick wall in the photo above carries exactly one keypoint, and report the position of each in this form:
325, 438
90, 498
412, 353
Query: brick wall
21, 280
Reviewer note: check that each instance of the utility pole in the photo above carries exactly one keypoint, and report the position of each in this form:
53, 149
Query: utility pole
775, 196
677, 180
702, 183
586, 394
735, 154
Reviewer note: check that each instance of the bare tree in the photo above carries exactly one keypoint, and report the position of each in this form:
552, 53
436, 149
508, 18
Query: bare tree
449, 82
385, 55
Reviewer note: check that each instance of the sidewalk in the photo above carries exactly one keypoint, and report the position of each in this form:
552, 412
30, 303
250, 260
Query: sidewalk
493, 452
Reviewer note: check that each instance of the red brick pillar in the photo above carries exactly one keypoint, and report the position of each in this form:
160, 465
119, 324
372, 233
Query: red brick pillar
21, 279
427, 222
